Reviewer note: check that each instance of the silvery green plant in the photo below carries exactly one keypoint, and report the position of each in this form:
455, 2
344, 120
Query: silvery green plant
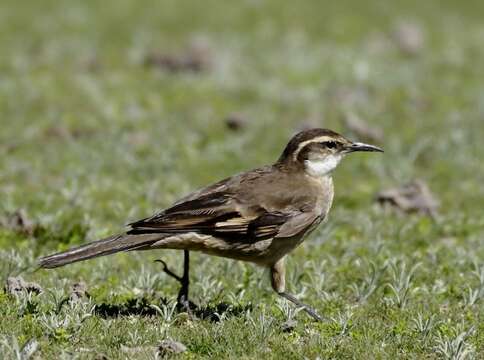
401, 282
288, 311
475, 294
425, 325
135, 338
10, 348
262, 325
166, 311
343, 320
27, 302
319, 279
369, 283
209, 288
144, 281
70, 318
236, 297
455, 348
12, 263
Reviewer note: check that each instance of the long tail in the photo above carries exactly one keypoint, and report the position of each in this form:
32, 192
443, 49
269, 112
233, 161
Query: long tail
107, 246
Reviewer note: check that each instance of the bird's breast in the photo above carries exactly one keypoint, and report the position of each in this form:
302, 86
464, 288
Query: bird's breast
324, 190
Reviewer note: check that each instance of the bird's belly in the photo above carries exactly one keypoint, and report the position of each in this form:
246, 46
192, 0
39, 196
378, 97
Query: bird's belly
262, 252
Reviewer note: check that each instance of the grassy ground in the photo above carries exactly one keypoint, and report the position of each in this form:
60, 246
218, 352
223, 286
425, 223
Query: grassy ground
91, 138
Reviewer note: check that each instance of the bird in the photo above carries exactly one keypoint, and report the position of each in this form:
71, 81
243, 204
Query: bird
258, 216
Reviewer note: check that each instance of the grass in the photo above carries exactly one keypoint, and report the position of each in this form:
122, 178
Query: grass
91, 138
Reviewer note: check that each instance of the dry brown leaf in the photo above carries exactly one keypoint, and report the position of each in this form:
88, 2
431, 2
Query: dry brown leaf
289, 326
236, 122
139, 138
412, 197
196, 59
17, 285
409, 37
18, 221
66, 133
168, 347
78, 291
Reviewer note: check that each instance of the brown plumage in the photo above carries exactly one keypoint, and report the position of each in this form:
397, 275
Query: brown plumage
257, 216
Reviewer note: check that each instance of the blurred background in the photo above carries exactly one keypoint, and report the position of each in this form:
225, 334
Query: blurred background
112, 110
116, 101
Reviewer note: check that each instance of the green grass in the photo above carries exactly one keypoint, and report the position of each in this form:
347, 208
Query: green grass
91, 138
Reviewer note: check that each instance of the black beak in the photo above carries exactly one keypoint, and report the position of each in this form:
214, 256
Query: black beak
357, 146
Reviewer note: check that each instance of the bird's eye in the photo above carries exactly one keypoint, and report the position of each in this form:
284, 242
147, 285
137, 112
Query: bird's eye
329, 144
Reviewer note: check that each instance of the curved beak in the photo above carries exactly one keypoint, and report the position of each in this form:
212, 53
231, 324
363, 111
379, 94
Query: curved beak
358, 146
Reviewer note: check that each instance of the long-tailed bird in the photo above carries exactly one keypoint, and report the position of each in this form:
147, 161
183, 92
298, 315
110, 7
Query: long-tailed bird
257, 216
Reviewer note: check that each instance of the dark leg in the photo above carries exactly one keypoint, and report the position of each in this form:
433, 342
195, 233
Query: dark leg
279, 285
185, 280
182, 298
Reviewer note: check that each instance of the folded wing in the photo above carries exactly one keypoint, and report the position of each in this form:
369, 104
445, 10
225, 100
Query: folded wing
217, 214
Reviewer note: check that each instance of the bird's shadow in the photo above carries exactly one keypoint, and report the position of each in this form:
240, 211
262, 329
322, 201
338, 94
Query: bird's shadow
143, 306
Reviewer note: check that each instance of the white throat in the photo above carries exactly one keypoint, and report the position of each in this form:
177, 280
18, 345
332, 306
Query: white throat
322, 167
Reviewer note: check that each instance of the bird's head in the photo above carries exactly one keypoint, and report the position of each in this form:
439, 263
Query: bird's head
319, 151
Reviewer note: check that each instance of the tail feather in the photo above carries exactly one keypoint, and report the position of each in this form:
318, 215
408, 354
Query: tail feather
107, 246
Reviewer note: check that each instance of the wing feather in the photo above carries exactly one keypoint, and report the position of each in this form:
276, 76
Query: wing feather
212, 214
220, 210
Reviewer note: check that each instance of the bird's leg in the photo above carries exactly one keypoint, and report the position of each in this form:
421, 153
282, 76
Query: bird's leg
311, 312
182, 298
278, 281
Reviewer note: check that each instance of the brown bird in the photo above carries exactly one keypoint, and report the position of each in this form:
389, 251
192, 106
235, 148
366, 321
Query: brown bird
257, 216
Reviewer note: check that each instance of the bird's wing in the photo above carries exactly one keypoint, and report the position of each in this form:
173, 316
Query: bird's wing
223, 210
217, 214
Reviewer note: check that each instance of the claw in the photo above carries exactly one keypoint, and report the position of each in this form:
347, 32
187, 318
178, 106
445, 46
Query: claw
182, 298
167, 271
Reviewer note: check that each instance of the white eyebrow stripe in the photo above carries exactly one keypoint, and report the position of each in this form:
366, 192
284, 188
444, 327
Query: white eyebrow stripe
314, 140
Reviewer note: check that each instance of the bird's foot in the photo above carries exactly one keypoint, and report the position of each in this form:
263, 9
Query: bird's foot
183, 303
311, 312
